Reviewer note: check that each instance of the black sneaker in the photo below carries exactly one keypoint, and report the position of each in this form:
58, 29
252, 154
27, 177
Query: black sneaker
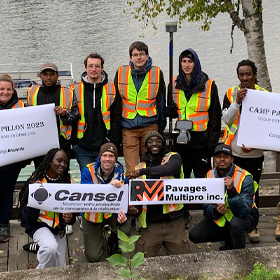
31, 247
4, 233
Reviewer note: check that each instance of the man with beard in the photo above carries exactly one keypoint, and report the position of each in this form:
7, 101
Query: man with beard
66, 107
160, 224
100, 120
238, 215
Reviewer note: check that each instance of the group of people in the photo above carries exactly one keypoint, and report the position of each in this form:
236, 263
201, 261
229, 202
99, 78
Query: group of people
95, 116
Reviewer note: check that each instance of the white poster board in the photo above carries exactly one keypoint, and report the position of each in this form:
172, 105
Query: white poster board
170, 191
77, 198
27, 133
260, 121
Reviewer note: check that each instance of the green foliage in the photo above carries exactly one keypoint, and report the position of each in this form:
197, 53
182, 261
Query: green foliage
127, 246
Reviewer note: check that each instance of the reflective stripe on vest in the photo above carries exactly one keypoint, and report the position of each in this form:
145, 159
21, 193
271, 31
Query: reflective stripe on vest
231, 129
65, 102
196, 109
142, 102
239, 175
108, 97
19, 104
93, 216
50, 218
167, 208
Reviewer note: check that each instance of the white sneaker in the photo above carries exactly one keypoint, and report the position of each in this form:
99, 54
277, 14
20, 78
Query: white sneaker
69, 229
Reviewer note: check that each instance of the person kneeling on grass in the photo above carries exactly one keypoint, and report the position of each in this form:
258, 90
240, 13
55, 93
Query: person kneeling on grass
47, 228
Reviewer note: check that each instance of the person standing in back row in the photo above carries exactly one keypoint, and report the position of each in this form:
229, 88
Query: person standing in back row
141, 88
100, 120
245, 157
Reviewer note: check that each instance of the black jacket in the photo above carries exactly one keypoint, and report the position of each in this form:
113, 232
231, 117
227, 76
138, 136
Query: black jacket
95, 134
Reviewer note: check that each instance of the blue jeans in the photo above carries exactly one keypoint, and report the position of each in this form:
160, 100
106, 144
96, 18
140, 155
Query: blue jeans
84, 156
8, 179
233, 233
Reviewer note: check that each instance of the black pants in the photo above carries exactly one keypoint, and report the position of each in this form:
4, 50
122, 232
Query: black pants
254, 166
233, 233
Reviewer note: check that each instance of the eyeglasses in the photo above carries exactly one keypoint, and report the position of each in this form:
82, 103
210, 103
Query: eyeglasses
156, 141
91, 66
142, 54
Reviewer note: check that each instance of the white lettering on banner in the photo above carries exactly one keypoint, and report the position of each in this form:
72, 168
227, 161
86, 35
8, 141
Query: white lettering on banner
76, 198
27, 133
260, 117
170, 191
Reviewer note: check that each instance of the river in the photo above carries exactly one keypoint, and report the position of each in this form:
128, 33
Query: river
60, 30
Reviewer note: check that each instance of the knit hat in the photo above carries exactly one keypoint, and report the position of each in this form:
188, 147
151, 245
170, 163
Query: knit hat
109, 147
151, 134
48, 66
187, 54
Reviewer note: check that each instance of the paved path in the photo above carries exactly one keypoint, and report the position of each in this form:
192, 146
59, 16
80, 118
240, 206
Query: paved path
13, 257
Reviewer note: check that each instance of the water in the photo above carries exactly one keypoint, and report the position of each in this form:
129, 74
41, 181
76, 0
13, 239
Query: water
68, 30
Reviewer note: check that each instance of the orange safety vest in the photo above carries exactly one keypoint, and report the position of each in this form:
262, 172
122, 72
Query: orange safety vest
142, 102
108, 97
19, 104
231, 129
196, 109
66, 100
239, 175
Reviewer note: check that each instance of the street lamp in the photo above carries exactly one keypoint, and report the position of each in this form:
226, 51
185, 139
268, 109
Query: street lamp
170, 26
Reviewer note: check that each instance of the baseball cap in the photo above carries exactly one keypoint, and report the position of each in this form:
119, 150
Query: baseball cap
222, 148
48, 66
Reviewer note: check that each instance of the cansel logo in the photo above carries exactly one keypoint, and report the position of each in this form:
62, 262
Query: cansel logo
41, 194
151, 190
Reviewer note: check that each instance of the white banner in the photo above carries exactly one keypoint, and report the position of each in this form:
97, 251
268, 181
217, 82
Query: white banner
170, 191
76, 198
27, 133
260, 121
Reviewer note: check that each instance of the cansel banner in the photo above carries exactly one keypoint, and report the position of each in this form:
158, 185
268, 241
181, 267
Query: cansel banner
27, 132
260, 121
166, 191
76, 198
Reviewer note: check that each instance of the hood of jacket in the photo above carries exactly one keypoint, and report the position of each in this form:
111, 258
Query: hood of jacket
104, 80
142, 72
196, 74
11, 102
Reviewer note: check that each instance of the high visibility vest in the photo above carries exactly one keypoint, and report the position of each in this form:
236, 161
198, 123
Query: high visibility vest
50, 218
142, 102
239, 175
92, 216
108, 97
65, 102
231, 129
19, 104
196, 109
167, 208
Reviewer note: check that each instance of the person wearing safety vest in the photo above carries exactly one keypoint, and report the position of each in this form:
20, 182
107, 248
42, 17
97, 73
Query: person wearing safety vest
195, 98
66, 107
245, 157
141, 88
47, 228
160, 224
8, 173
105, 170
238, 215
100, 120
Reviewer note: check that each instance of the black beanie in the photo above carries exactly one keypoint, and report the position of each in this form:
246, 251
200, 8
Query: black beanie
187, 54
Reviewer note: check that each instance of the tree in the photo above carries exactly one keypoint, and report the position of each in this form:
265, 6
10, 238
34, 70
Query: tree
246, 15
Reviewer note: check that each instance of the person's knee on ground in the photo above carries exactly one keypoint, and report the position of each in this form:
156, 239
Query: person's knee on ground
93, 256
237, 232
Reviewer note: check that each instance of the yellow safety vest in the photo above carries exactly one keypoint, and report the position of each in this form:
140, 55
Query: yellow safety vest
142, 102
92, 216
231, 129
19, 104
48, 217
196, 109
65, 101
108, 97
238, 177
167, 208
